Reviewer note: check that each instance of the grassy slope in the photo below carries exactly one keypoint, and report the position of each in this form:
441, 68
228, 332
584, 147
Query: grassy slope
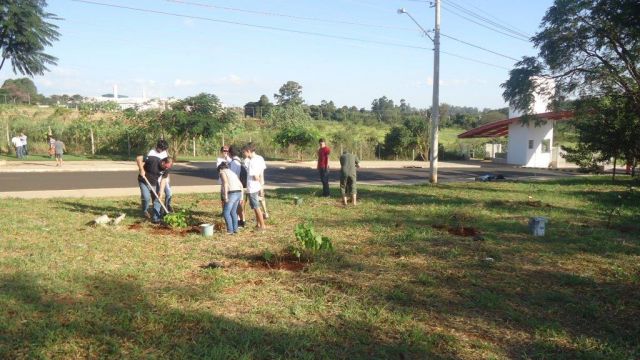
395, 287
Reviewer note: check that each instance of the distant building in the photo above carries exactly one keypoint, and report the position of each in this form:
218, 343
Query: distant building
528, 145
125, 102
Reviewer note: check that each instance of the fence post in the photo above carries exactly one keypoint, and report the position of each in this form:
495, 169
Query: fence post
194, 146
93, 147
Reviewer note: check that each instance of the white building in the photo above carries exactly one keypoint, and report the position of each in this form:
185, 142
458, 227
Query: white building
529, 144
140, 103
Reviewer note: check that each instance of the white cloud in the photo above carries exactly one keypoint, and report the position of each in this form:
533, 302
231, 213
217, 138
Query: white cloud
183, 83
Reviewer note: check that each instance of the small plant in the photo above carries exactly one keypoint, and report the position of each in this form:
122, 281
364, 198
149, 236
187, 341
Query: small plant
309, 241
177, 220
268, 256
617, 209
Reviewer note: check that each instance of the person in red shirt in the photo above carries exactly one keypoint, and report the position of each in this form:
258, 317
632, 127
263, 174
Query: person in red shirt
323, 166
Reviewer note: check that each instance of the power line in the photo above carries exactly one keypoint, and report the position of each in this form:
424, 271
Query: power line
496, 25
483, 25
479, 47
474, 60
295, 17
282, 30
498, 19
253, 25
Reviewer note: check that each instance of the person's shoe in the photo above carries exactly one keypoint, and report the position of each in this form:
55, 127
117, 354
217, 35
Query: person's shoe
240, 223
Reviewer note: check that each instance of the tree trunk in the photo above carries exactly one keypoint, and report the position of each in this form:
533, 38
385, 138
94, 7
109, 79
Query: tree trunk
613, 178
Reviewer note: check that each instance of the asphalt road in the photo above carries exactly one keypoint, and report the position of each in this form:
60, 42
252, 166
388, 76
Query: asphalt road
202, 175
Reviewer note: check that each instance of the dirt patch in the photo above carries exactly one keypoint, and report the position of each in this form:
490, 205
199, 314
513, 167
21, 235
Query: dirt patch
166, 230
458, 230
135, 226
286, 262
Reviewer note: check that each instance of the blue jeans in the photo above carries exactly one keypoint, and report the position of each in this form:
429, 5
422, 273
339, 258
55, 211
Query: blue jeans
230, 211
20, 152
167, 195
145, 196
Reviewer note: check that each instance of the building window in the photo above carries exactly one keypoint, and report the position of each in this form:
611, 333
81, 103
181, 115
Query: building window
546, 145
530, 144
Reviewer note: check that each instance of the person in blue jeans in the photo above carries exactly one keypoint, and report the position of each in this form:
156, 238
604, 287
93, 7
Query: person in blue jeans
156, 172
231, 195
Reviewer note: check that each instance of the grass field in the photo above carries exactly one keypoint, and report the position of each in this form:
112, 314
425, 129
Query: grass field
395, 287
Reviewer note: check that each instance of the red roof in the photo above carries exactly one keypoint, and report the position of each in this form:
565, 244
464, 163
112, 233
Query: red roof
501, 127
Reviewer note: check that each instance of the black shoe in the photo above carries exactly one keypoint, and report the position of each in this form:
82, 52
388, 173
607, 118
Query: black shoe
240, 223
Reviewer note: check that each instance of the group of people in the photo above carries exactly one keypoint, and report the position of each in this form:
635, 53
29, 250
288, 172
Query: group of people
349, 163
238, 177
19, 142
56, 147
241, 177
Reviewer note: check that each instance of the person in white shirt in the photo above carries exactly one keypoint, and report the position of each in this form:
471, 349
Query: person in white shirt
17, 143
223, 157
255, 166
23, 139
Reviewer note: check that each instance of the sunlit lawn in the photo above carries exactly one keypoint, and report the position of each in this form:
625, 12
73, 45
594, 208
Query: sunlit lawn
395, 287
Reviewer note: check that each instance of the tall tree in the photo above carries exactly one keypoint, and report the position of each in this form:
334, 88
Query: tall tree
199, 115
289, 93
21, 90
24, 34
589, 47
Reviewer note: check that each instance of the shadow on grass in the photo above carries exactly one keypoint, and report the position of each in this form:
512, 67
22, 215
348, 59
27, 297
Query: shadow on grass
116, 318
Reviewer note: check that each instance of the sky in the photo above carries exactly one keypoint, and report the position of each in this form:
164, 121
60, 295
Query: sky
348, 51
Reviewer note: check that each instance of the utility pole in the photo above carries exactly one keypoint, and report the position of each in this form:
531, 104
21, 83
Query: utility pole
435, 112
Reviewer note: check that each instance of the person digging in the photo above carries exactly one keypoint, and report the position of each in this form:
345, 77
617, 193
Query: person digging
153, 174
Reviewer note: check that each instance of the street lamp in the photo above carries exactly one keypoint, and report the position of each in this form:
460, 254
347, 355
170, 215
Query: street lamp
435, 110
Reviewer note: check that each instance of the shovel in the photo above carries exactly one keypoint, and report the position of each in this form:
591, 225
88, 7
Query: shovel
155, 194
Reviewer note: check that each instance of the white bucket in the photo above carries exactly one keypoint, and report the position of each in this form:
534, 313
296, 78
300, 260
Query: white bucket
537, 225
206, 230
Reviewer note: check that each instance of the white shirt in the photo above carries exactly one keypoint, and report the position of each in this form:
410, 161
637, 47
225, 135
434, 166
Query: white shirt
255, 167
23, 138
161, 155
16, 141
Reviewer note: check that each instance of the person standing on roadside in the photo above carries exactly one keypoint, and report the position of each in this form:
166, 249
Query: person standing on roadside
323, 166
23, 139
348, 165
17, 144
52, 146
255, 166
59, 149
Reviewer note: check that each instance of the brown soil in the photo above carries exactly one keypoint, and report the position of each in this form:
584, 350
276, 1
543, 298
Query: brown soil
165, 230
135, 226
460, 231
287, 263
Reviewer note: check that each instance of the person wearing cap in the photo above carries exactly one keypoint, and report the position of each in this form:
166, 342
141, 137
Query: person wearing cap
223, 157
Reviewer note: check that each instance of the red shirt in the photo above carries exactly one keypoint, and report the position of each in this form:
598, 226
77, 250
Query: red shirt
323, 157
